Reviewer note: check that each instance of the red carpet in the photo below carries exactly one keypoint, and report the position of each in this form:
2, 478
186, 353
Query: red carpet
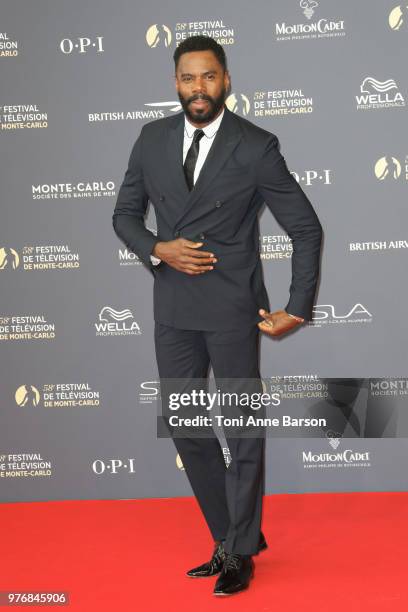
327, 552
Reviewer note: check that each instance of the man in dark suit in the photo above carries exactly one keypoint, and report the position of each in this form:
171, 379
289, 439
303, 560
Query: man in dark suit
207, 172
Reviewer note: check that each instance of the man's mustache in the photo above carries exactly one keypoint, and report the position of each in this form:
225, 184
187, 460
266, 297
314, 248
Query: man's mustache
199, 97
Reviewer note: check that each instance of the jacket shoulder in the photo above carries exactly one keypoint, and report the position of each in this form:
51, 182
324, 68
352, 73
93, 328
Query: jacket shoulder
253, 133
157, 125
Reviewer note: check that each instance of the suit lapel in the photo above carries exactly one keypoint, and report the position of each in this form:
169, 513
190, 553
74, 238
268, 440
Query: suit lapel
226, 139
174, 146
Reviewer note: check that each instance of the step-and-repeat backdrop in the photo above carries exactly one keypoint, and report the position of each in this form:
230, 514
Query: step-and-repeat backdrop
79, 382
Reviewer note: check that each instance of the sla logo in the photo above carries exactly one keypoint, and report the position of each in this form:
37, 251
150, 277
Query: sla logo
387, 167
398, 17
9, 258
27, 395
113, 466
238, 103
81, 45
158, 35
325, 314
308, 7
116, 323
379, 94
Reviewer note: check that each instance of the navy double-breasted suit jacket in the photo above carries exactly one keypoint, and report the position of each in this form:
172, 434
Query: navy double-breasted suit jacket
243, 169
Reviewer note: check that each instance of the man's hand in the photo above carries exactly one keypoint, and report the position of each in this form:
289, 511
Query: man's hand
276, 323
182, 254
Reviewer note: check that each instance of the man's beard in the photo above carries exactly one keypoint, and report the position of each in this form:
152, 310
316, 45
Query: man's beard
200, 115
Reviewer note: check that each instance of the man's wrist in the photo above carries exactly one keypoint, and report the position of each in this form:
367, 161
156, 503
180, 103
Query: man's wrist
156, 249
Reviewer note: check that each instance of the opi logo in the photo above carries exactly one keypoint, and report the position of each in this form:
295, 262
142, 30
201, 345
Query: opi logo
81, 45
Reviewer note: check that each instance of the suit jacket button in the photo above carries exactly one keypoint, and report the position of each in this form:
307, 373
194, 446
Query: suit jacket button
218, 203
161, 198
201, 236
176, 234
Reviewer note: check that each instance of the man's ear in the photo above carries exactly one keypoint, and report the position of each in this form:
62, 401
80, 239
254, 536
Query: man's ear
227, 82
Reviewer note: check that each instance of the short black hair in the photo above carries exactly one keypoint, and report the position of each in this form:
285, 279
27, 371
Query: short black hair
200, 43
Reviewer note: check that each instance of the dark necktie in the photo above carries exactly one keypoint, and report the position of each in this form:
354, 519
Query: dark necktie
191, 158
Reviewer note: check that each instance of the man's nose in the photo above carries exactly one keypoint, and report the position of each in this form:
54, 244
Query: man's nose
198, 86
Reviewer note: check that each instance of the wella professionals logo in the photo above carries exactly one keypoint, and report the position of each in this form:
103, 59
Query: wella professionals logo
81, 45
379, 94
328, 314
322, 28
158, 35
398, 17
116, 323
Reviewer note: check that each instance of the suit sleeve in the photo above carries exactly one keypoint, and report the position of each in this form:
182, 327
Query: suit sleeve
130, 209
294, 212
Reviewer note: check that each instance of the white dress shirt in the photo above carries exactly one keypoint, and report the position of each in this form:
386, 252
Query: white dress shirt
206, 141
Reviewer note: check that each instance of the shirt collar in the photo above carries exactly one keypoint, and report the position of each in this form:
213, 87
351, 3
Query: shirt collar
209, 130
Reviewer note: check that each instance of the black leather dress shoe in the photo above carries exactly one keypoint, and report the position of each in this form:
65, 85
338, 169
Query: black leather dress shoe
214, 566
236, 573
211, 567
